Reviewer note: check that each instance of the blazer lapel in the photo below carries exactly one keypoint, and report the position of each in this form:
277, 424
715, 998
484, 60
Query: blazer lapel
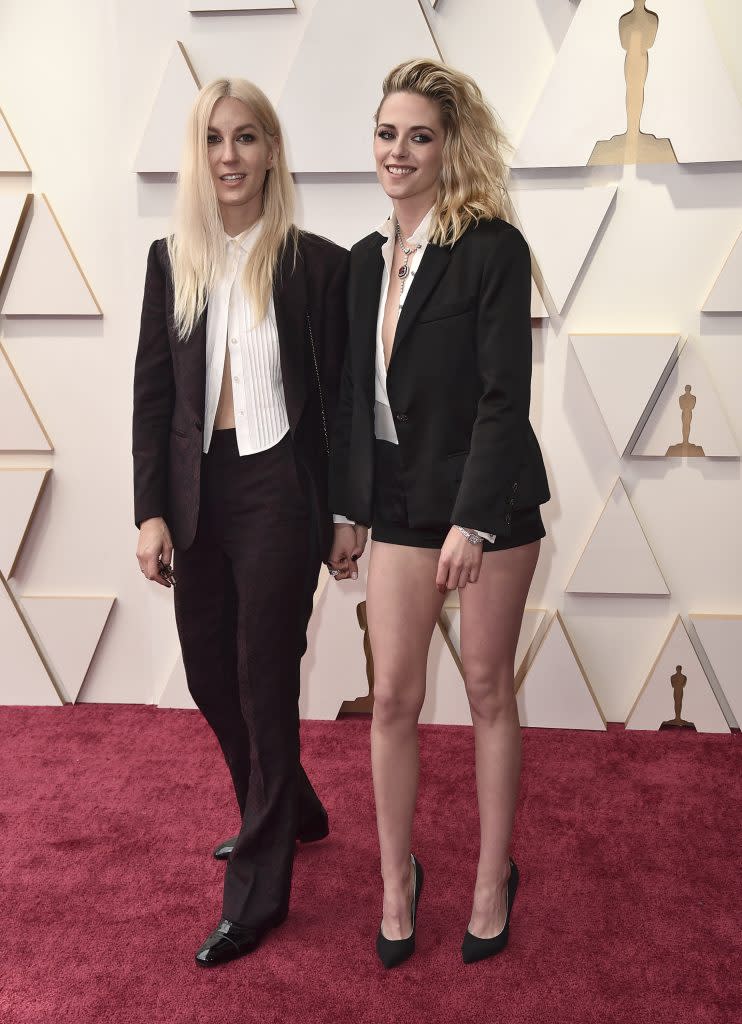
290, 302
432, 266
366, 313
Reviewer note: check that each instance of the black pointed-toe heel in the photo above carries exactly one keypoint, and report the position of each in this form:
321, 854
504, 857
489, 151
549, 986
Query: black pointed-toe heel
473, 948
393, 952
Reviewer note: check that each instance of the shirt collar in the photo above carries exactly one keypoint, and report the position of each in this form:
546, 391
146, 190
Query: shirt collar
418, 237
246, 239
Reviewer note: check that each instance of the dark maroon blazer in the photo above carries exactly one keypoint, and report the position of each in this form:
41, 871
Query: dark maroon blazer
170, 383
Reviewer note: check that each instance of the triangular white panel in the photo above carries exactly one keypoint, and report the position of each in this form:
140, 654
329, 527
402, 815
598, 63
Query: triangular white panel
655, 703
217, 6
47, 279
538, 309
688, 95
560, 225
20, 428
533, 620
618, 559
721, 636
584, 97
175, 692
555, 692
626, 373
23, 676
20, 492
726, 294
359, 42
162, 144
709, 432
12, 160
68, 629
13, 210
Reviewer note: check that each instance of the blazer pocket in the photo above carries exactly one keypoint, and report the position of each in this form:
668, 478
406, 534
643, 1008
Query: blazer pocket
448, 309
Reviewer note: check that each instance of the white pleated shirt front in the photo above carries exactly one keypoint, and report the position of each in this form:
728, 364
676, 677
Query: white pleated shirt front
260, 415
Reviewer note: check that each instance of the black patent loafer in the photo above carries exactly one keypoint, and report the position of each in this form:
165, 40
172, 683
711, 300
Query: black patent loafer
473, 948
227, 942
310, 833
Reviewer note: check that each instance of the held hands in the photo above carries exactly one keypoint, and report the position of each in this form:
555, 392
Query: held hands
347, 548
155, 551
459, 562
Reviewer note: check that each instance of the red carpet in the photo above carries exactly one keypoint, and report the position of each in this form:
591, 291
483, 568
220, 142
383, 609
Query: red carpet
628, 845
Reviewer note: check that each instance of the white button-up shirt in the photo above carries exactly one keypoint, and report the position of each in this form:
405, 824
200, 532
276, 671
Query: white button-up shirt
260, 415
384, 428
383, 419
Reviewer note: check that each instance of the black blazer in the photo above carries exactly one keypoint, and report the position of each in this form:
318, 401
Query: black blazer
459, 383
170, 383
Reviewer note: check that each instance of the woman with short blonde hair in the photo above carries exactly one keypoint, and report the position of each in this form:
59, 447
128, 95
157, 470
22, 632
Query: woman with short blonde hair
242, 336
433, 449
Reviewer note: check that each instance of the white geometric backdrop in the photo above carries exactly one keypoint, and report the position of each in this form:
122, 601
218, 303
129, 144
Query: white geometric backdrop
622, 256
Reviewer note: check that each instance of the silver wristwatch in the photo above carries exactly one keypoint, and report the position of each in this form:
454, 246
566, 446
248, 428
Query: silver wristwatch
473, 538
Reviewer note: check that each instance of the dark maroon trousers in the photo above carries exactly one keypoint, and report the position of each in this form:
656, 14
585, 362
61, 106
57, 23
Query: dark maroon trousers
242, 603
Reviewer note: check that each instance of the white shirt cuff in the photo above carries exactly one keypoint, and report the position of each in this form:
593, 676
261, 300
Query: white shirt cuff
339, 520
487, 536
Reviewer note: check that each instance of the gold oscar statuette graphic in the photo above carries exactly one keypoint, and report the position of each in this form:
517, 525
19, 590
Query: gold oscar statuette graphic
678, 681
362, 705
637, 31
687, 402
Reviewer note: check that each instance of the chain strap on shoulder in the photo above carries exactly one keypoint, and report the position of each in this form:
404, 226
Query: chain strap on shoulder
319, 384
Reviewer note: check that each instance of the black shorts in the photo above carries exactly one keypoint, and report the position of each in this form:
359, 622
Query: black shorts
390, 523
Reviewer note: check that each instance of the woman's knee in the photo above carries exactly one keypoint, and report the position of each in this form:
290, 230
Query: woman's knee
394, 702
490, 690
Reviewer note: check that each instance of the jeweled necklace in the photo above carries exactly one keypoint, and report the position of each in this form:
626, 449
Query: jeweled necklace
404, 270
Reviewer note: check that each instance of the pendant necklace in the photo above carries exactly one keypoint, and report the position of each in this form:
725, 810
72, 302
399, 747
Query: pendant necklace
404, 270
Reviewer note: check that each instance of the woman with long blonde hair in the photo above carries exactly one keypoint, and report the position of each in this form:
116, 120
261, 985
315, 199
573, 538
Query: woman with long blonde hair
435, 452
242, 338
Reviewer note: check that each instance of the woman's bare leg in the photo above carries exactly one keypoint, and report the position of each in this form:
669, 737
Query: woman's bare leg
402, 605
491, 616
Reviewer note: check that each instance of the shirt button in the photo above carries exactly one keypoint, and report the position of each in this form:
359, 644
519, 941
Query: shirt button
233, 341
236, 380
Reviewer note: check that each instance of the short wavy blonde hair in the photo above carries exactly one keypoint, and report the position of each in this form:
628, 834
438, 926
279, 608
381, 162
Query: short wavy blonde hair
474, 175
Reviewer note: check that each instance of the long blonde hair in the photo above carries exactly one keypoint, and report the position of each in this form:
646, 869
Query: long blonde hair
474, 175
196, 246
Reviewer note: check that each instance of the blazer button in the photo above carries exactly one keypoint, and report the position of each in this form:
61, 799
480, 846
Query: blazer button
401, 417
